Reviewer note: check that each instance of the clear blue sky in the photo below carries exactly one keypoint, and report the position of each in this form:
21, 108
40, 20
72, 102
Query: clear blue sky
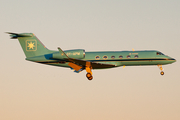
31, 91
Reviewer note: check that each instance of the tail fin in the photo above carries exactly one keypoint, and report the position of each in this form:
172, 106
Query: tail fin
30, 44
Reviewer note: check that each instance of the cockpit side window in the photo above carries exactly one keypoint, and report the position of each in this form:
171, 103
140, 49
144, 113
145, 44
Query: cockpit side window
159, 53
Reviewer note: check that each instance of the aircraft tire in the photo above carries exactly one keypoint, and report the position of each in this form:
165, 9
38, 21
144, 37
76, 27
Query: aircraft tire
90, 78
162, 73
88, 75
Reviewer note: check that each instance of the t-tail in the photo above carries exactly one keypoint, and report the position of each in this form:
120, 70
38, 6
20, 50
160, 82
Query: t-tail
30, 44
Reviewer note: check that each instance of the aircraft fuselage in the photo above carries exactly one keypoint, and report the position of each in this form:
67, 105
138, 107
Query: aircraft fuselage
116, 58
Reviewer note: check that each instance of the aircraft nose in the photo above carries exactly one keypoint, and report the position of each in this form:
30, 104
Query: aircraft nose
174, 60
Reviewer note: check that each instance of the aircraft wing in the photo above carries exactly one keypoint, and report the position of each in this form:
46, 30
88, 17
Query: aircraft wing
93, 64
78, 64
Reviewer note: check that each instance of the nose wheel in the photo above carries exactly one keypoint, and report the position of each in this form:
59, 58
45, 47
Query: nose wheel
162, 73
160, 67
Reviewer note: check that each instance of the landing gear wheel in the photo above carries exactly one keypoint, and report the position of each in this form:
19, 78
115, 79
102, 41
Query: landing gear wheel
162, 73
89, 76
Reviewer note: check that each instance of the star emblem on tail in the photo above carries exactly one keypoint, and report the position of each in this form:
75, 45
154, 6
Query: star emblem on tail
31, 45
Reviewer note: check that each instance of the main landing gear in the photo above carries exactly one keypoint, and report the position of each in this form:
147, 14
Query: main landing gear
89, 73
89, 76
160, 67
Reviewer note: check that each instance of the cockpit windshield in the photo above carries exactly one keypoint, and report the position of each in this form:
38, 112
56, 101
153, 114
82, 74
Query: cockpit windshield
159, 53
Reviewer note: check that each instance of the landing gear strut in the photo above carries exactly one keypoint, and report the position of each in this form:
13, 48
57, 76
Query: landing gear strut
160, 67
88, 70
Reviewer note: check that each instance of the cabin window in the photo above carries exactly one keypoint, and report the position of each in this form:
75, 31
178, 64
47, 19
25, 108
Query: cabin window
112, 57
97, 57
105, 57
120, 57
128, 56
136, 56
159, 53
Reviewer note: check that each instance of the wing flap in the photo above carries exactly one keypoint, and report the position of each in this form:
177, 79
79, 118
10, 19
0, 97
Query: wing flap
74, 66
94, 65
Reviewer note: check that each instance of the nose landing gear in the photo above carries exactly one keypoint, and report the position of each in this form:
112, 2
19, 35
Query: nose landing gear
160, 67
162, 73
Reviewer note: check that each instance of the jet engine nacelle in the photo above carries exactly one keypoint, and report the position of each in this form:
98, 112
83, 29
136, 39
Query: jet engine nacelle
76, 54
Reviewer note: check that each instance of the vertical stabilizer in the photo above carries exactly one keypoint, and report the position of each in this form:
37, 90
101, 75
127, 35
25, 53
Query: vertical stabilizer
30, 44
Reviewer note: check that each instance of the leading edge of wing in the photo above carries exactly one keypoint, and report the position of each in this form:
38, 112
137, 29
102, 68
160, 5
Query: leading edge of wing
94, 65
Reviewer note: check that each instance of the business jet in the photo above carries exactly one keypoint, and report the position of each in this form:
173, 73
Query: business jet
79, 60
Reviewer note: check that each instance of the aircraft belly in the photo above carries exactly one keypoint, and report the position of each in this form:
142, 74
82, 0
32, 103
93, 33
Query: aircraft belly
147, 62
130, 63
105, 65
57, 64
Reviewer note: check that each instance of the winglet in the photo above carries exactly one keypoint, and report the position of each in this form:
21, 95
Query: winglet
72, 65
62, 53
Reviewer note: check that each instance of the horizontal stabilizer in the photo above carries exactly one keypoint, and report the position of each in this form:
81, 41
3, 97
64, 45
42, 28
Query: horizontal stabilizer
16, 35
